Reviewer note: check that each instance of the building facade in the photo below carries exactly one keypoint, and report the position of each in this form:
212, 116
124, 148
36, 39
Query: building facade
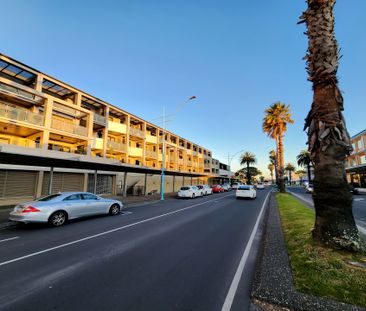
356, 162
42, 116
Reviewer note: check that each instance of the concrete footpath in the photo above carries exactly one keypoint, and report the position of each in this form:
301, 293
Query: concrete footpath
128, 201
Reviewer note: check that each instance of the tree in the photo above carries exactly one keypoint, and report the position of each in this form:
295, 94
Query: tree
301, 174
261, 178
328, 138
253, 171
271, 168
248, 158
275, 125
303, 159
273, 160
290, 168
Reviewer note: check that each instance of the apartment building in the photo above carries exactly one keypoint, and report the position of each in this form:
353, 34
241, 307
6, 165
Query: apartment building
44, 121
356, 162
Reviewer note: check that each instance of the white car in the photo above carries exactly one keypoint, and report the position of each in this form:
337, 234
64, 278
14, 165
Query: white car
189, 192
235, 185
260, 185
205, 189
226, 187
246, 191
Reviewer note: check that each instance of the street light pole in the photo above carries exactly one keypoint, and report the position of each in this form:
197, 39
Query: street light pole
162, 176
229, 159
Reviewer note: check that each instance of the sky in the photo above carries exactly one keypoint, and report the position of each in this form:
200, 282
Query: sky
236, 56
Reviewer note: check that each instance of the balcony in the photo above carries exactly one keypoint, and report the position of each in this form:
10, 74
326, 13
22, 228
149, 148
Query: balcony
97, 143
19, 114
115, 146
137, 133
135, 152
117, 127
99, 119
150, 154
68, 127
151, 139
189, 163
189, 151
194, 153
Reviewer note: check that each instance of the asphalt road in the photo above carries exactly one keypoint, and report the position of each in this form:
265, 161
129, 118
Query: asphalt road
359, 205
171, 255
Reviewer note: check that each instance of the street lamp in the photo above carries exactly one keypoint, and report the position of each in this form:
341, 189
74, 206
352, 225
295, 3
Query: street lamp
162, 176
229, 159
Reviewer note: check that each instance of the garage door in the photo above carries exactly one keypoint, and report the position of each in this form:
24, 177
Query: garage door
15, 184
63, 182
104, 184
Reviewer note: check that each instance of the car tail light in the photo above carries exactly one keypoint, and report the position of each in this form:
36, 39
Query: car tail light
30, 209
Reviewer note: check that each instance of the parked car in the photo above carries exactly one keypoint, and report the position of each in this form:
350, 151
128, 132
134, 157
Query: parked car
353, 190
189, 192
57, 209
226, 187
217, 189
309, 188
260, 185
246, 191
206, 190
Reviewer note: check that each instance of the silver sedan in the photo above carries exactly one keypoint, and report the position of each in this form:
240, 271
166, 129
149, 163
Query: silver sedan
56, 209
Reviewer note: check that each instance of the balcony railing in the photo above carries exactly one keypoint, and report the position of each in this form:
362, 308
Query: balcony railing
116, 146
99, 119
150, 154
68, 127
20, 114
136, 132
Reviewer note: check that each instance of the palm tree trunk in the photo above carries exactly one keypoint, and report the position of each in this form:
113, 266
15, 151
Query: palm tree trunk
248, 175
309, 173
281, 164
334, 222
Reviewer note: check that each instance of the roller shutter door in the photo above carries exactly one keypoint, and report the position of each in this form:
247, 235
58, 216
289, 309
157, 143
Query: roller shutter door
104, 184
15, 184
63, 182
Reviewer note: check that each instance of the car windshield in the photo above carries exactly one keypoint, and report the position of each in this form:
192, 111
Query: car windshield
49, 197
184, 188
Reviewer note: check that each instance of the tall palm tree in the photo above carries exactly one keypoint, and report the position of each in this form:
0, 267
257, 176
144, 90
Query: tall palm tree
303, 159
273, 160
328, 138
271, 168
275, 125
247, 158
290, 168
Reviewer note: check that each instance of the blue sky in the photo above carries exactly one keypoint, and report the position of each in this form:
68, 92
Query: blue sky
237, 57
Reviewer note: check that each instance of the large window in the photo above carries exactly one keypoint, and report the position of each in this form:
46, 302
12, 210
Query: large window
363, 159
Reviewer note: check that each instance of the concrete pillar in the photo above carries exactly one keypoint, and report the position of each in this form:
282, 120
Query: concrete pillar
173, 183
50, 181
105, 133
145, 185
124, 191
183, 180
95, 182
191, 181
89, 127
85, 182
39, 184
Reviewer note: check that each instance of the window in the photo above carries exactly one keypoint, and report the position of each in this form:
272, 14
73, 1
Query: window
73, 197
360, 145
89, 196
363, 159
49, 197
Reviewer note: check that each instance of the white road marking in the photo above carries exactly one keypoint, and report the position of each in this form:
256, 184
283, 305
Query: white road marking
106, 232
358, 199
239, 271
9, 239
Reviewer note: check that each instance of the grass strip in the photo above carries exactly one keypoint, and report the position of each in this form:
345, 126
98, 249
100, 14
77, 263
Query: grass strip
318, 270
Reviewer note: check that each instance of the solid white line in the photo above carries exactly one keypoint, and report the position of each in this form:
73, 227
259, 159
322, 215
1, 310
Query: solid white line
106, 232
239, 271
14, 238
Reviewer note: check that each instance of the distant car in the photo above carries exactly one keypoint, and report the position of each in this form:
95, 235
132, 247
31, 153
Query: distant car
217, 189
246, 191
353, 190
260, 185
235, 185
57, 209
226, 187
309, 188
206, 190
189, 192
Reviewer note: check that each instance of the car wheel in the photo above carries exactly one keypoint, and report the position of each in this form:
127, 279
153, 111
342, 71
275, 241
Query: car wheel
193, 195
57, 219
114, 210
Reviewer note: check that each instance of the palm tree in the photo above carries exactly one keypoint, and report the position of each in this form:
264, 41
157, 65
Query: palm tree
247, 158
271, 168
328, 138
303, 159
301, 174
290, 168
275, 125
273, 160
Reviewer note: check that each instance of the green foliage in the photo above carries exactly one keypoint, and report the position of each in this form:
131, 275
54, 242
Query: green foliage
318, 270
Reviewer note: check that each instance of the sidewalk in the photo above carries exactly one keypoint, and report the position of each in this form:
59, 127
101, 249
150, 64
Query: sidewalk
128, 201
273, 287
